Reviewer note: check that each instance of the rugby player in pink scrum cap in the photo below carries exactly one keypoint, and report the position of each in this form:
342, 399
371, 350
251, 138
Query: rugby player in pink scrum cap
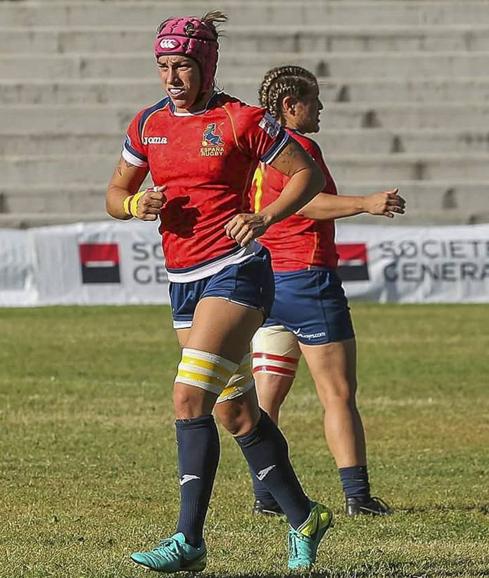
201, 148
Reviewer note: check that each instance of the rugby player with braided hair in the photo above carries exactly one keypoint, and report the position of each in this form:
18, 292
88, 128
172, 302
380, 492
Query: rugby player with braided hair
310, 314
201, 148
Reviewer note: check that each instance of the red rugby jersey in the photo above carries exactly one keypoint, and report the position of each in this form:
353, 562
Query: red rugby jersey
207, 161
296, 242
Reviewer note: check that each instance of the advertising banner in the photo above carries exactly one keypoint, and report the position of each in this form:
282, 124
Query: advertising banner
113, 262
415, 264
120, 262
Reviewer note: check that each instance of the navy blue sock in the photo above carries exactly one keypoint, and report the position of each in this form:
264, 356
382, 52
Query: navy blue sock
198, 456
261, 492
267, 454
355, 482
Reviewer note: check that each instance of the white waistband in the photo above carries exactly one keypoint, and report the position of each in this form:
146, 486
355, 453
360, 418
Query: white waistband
216, 266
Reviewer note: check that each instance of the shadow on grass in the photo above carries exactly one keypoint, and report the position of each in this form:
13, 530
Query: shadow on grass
378, 572
368, 571
482, 508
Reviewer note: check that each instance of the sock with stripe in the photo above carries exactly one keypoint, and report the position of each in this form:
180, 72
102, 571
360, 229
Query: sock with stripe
198, 457
262, 494
267, 454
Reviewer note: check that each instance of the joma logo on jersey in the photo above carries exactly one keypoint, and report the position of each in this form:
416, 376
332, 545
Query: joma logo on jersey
155, 140
212, 142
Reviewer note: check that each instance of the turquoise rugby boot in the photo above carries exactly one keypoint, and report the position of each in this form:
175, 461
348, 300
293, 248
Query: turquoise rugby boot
304, 542
173, 555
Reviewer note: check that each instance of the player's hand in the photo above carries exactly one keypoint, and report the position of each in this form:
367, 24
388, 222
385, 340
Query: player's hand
245, 227
386, 203
150, 203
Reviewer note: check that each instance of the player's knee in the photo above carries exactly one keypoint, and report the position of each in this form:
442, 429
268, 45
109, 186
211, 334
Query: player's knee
205, 373
273, 388
186, 402
236, 421
337, 392
237, 406
239, 383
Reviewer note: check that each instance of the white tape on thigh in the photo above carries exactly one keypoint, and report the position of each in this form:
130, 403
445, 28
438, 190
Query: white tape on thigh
205, 370
275, 350
241, 382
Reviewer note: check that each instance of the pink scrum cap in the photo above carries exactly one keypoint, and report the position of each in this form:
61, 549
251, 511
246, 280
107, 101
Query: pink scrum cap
191, 37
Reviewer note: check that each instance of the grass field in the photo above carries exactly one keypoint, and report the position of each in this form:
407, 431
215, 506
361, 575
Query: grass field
88, 470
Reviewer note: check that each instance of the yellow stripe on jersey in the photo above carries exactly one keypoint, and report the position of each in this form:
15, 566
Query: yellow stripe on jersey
258, 182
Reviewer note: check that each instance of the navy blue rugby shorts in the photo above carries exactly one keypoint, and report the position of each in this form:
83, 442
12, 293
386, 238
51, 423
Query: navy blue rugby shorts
250, 283
311, 303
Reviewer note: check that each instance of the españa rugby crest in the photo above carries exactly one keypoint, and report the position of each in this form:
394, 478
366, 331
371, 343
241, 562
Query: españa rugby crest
212, 141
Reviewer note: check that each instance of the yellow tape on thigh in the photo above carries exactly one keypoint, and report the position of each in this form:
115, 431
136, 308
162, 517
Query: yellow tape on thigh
205, 370
241, 382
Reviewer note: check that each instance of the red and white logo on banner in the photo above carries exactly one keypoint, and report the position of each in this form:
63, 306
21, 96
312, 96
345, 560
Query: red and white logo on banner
99, 262
353, 261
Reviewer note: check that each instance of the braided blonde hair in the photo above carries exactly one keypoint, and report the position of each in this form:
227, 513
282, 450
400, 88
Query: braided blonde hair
284, 81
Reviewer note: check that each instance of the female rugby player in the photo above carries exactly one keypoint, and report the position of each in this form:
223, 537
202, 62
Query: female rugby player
310, 314
201, 148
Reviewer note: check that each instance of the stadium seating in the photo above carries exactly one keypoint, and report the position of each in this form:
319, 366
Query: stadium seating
405, 85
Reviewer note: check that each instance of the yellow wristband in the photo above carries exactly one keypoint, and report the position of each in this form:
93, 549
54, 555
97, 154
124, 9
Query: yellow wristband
127, 200
131, 204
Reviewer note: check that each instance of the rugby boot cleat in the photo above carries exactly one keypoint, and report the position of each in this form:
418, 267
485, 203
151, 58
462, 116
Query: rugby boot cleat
173, 555
272, 510
304, 542
370, 507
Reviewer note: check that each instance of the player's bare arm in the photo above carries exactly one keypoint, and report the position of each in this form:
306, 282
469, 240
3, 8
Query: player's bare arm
292, 159
325, 206
306, 180
123, 201
385, 203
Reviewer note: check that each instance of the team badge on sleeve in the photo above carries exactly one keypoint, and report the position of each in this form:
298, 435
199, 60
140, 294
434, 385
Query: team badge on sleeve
270, 125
